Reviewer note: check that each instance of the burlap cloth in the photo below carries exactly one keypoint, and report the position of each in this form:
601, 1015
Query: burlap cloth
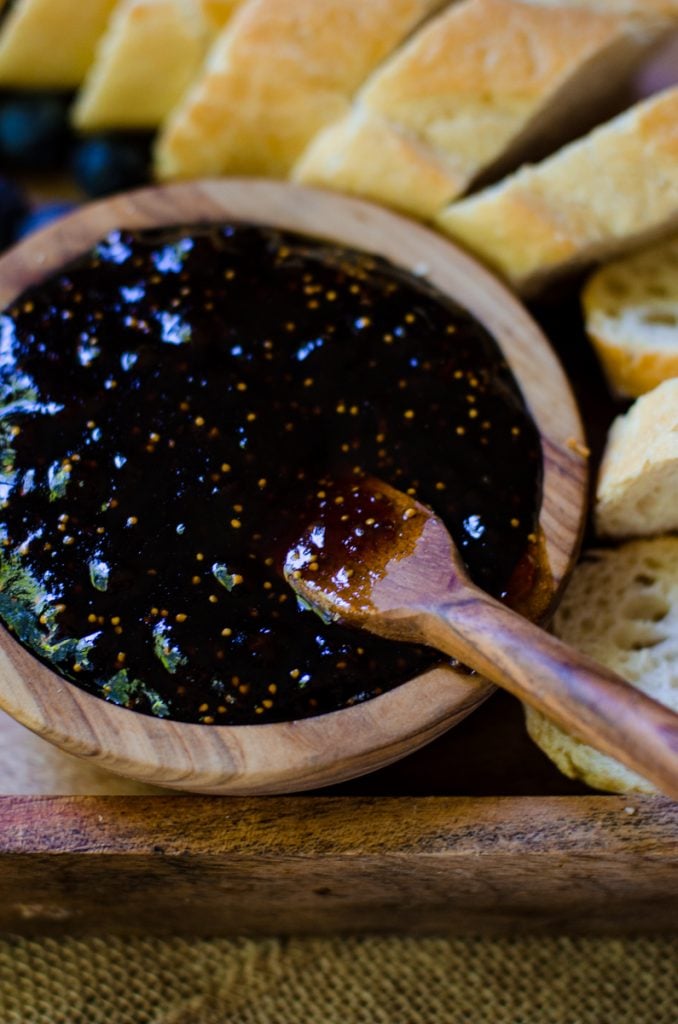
339, 981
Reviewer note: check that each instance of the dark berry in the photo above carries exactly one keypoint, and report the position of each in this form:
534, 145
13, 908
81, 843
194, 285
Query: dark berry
111, 163
41, 216
34, 131
13, 208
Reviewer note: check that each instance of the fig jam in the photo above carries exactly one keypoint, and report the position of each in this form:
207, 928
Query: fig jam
171, 401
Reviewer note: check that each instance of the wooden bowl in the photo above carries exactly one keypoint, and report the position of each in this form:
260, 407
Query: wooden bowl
297, 755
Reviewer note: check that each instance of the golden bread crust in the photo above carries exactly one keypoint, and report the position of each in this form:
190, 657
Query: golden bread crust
630, 374
591, 200
277, 75
43, 46
483, 77
369, 156
218, 13
636, 491
631, 315
150, 54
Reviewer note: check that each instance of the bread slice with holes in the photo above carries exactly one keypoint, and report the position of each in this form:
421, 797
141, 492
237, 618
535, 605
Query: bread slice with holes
145, 62
50, 44
477, 87
637, 492
621, 608
597, 198
631, 314
280, 72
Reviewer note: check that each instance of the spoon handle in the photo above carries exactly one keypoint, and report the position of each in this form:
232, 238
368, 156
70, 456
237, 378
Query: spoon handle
575, 692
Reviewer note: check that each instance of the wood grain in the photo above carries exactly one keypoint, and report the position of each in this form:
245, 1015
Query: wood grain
488, 754
284, 865
298, 755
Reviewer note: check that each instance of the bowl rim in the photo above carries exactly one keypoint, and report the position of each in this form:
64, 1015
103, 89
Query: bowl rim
294, 755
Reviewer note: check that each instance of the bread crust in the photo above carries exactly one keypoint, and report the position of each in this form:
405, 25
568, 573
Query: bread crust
148, 57
636, 493
468, 87
218, 13
43, 46
614, 189
277, 75
631, 374
576, 759
369, 156
631, 314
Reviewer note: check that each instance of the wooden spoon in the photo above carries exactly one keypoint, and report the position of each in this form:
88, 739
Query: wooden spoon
375, 559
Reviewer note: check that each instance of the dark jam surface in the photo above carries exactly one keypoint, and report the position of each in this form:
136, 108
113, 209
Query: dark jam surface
168, 405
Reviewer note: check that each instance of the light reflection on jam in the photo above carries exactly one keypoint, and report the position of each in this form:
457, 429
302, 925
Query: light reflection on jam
168, 406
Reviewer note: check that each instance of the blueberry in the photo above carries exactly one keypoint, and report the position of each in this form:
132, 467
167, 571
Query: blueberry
41, 216
111, 163
34, 131
13, 208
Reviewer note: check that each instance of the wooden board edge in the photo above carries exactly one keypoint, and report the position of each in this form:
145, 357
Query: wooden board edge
318, 825
210, 866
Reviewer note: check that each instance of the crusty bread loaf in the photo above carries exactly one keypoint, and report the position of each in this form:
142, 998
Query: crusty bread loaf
50, 43
482, 81
596, 198
621, 608
278, 74
631, 312
637, 492
149, 55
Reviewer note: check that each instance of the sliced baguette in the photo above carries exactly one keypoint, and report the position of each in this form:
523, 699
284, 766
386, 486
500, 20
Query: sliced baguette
278, 74
637, 492
150, 54
483, 81
613, 189
50, 44
621, 607
631, 313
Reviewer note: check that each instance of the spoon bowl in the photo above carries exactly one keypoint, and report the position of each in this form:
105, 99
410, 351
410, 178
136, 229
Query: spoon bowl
313, 752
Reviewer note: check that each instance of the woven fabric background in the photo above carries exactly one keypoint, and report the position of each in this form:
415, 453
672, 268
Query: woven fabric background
339, 981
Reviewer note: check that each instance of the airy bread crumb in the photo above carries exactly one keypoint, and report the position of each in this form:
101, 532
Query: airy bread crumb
621, 608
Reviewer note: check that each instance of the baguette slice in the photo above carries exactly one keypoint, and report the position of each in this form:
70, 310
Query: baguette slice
50, 44
150, 54
484, 81
613, 189
278, 74
637, 493
621, 608
631, 313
